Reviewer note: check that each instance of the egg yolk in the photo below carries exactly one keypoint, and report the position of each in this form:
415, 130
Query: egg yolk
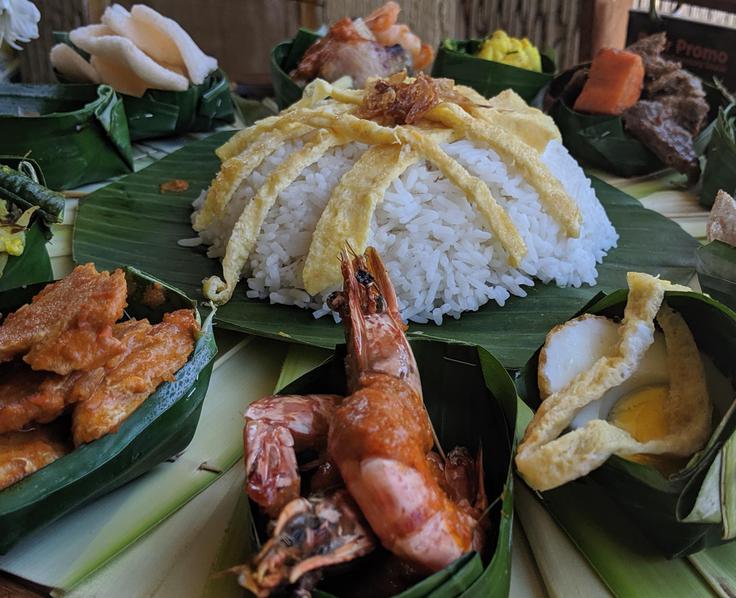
642, 413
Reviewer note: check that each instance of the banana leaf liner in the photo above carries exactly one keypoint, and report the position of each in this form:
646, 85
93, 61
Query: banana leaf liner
720, 156
78, 134
285, 57
693, 508
23, 192
601, 141
716, 266
159, 113
471, 401
160, 428
456, 59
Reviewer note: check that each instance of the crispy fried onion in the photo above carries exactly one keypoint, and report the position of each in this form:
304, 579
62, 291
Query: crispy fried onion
547, 460
401, 101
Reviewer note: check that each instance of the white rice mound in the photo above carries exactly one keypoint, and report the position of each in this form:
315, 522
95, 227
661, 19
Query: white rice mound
440, 255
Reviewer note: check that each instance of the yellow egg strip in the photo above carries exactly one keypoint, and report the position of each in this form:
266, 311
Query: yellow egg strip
238, 168
510, 112
477, 192
240, 140
514, 152
347, 216
547, 460
246, 229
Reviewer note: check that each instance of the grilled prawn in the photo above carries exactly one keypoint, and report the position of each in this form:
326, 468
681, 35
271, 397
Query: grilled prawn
377, 442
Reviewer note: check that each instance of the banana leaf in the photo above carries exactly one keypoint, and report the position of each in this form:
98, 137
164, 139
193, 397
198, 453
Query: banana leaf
716, 264
200, 108
160, 428
130, 222
285, 56
720, 156
77, 133
456, 59
161, 113
665, 510
31, 266
472, 402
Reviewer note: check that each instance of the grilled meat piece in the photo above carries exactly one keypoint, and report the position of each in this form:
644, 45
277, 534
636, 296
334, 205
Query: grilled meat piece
654, 124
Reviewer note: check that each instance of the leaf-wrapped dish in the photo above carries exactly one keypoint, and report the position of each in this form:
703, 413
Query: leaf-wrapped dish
77, 133
160, 427
680, 504
472, 402
459, 60
27, 211
631, 111
284, 58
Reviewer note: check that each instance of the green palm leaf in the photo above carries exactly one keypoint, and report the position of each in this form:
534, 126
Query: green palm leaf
131, 222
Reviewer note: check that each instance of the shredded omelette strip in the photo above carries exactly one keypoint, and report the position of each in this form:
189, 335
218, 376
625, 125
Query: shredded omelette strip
546, 459
552, 194
347, 216
236, 169
246, 229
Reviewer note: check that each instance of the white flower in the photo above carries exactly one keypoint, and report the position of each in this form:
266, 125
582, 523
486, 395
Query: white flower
18, 22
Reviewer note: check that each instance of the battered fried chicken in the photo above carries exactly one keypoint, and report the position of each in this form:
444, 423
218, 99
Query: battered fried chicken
68, 325
31, 397
23, 453
127, 381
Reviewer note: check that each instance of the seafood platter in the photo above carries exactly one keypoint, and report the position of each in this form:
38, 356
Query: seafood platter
440, 328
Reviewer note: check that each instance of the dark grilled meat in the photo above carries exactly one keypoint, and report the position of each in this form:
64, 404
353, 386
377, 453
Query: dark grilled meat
655, 125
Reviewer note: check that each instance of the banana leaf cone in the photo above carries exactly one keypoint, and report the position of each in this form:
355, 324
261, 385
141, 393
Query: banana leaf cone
78, 134
159, 429
471, 401
285, 57
21, 186
686, 511
601, 141
163, 113
159, 113
456, 59
720, 156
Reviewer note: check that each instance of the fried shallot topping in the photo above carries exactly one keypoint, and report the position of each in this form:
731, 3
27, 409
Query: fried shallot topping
397, 100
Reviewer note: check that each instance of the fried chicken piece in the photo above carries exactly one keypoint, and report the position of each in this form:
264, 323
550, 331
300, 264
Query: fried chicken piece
130, 334
68, 325
23, 453
149, 360
29, 397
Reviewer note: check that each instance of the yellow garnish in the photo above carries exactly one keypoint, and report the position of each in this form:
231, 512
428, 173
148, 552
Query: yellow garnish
521, 53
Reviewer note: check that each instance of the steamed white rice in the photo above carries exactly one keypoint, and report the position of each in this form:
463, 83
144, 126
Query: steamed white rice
440, 255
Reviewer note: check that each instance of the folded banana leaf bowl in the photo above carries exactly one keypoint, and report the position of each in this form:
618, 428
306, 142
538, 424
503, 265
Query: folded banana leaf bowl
471, 401
686, 511
456, 59
285, 57
160, 428
600, 141
159, 113
78, 134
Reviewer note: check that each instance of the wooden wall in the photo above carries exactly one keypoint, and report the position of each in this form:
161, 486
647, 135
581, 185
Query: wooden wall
240, 33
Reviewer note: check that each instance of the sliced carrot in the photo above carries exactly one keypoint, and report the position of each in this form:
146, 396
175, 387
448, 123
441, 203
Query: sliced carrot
614, 83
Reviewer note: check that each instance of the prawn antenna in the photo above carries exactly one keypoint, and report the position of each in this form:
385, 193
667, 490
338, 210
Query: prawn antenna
487, 510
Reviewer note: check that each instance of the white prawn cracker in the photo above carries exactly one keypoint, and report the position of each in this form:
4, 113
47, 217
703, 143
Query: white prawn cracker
122, 64
547, 458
